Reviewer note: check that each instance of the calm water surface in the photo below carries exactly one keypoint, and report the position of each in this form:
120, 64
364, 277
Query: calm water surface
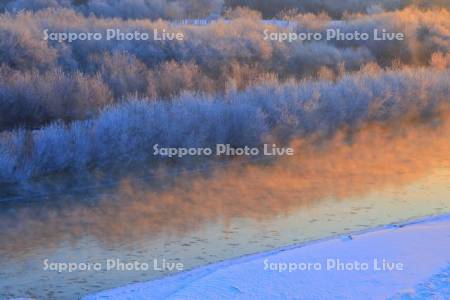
377, 178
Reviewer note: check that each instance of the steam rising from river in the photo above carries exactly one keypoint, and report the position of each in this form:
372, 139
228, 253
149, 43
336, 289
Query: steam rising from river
350, 165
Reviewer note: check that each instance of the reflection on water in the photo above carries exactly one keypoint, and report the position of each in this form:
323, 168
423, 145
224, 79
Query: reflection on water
373, 177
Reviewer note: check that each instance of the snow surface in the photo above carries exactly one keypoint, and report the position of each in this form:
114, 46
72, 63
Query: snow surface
422, 246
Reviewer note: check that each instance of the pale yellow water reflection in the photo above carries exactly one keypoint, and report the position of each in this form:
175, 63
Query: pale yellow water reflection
373, 177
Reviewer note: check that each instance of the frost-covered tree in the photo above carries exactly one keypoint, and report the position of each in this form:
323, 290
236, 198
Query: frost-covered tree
124, 134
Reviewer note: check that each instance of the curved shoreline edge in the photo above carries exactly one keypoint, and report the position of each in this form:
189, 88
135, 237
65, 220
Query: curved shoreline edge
421, 245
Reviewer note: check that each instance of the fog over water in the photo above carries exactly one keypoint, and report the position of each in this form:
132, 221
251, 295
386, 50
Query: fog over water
353, 181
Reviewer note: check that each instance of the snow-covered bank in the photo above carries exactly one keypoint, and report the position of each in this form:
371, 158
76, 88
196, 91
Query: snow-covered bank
419, 253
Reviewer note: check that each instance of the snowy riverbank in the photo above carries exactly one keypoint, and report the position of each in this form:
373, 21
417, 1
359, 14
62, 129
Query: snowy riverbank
409, 260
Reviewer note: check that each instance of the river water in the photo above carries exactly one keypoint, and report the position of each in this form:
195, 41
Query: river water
348, 184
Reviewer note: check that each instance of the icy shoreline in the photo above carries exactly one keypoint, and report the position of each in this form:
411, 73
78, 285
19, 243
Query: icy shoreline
421, 247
